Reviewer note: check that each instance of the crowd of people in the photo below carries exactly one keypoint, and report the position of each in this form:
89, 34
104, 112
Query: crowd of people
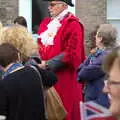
28, 70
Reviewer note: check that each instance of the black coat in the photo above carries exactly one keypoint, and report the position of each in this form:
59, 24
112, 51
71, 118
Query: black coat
21, 94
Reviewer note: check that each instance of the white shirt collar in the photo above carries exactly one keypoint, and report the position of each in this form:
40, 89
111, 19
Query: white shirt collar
47, 37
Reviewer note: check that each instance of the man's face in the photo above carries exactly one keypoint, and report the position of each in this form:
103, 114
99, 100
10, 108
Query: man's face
113, 88
56, 7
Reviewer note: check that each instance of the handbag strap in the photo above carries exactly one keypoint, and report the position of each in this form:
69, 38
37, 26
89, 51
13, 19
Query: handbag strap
40, 77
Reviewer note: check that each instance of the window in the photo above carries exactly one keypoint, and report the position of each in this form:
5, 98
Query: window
113, 14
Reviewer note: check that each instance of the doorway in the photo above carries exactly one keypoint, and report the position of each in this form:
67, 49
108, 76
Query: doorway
39, 11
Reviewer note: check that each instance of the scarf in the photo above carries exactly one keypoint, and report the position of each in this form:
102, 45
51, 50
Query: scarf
47, 37
96, 54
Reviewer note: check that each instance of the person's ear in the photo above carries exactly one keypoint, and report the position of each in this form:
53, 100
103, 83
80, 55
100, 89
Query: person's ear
66, 6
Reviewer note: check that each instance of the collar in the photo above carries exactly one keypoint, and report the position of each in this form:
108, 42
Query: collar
11, 68
47, 37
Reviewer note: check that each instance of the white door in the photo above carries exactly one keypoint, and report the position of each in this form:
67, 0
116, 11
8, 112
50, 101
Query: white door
25, 10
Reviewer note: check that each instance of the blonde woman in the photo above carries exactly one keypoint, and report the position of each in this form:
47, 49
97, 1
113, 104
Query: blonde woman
112, 87
19, 36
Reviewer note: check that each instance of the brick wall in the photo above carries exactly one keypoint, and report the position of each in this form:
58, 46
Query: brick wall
91, 13
8, 10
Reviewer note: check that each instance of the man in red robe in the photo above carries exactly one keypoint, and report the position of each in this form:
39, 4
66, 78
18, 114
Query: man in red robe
61, 47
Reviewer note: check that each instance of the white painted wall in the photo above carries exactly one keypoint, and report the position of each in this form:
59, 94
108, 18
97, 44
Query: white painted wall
72, 9
25, 10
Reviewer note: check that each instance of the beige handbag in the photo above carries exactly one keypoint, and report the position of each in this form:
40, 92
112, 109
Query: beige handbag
55, 108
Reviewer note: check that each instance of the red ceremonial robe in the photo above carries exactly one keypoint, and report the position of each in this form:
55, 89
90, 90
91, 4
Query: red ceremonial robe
69, 39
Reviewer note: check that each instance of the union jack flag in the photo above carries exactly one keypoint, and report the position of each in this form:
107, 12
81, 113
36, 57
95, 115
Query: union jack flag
93, 111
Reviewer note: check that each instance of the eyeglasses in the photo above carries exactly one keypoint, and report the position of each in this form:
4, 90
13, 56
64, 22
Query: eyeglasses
110, 82
54, 4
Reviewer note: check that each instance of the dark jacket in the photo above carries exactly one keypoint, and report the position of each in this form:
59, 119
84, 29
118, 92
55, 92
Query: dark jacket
21, 94
91, 72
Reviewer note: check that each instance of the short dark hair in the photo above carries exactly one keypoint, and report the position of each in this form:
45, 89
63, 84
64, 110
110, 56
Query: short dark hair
8, 54
21, 21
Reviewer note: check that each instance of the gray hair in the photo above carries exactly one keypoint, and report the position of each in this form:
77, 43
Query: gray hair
108, 33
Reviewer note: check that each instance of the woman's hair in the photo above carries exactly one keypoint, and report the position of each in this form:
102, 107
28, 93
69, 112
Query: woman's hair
1, 25
8, 54
108, 34
1, 28
19, 36
111, 58
21, 21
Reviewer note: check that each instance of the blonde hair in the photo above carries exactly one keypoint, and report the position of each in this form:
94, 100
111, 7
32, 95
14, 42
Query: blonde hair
19, 36
1, 27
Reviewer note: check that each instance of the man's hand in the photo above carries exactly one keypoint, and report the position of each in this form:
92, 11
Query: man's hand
42, 65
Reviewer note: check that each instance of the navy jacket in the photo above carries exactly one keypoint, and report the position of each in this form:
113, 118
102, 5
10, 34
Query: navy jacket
91, 72
21, 94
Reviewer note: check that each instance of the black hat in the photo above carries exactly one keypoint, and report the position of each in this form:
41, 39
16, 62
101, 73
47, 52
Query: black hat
69, 2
